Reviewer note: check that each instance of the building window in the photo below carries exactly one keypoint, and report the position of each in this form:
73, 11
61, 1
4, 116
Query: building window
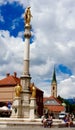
53, 87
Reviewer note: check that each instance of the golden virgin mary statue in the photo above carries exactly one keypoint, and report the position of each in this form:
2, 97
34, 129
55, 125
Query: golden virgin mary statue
28, 16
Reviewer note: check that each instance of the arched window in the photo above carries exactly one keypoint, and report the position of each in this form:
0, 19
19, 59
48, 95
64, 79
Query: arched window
53, 87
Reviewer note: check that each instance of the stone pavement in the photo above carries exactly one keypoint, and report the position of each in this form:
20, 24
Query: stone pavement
32, 128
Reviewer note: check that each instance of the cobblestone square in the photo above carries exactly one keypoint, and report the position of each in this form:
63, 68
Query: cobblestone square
3, 127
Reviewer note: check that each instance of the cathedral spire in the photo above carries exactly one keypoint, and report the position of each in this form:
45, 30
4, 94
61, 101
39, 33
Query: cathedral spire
54, 76
54, 85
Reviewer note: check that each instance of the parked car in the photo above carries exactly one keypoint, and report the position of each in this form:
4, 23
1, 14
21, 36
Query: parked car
5, 111
62, 115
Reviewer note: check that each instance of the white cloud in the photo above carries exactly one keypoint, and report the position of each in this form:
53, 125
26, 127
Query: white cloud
1, 17
11, 53
66, 87
3, 2
53, 23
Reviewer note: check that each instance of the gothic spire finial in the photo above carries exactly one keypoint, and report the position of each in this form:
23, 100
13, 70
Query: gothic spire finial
54, 76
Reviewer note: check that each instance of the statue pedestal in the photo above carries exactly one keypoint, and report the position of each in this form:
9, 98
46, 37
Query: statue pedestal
16, 107
25, 104
33, 112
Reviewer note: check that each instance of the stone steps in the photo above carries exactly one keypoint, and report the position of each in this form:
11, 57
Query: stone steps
29, 122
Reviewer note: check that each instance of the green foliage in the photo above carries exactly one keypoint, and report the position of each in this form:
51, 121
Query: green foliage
69, 107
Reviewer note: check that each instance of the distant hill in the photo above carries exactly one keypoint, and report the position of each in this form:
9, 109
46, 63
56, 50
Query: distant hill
71, 100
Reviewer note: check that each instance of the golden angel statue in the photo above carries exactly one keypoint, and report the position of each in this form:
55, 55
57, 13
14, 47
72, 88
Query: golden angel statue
33, 90
18, 90
28, 16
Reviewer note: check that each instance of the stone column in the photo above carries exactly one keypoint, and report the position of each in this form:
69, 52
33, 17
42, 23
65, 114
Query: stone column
25, 77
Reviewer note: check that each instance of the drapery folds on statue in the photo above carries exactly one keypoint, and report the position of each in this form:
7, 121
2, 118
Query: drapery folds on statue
27, 16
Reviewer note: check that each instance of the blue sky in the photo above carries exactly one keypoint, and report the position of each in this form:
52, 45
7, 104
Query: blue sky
12, 18
53, 42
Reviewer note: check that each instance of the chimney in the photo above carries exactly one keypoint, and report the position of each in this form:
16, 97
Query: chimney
8, 74
15, 74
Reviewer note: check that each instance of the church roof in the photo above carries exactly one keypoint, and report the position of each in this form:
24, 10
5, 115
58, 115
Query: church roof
51, 101
54, 108
53, 104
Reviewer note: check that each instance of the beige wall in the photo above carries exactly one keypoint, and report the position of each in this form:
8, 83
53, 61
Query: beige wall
7, 94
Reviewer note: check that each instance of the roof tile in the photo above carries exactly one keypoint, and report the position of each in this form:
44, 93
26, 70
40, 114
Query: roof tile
10, 80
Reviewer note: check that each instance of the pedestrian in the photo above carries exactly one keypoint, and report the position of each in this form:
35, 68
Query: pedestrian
49, 121
68, 120
44, 120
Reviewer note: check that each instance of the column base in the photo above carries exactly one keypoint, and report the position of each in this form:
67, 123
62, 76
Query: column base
33, 111
16, 108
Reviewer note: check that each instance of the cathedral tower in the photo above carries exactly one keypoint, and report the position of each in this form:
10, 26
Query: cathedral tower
54, 85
